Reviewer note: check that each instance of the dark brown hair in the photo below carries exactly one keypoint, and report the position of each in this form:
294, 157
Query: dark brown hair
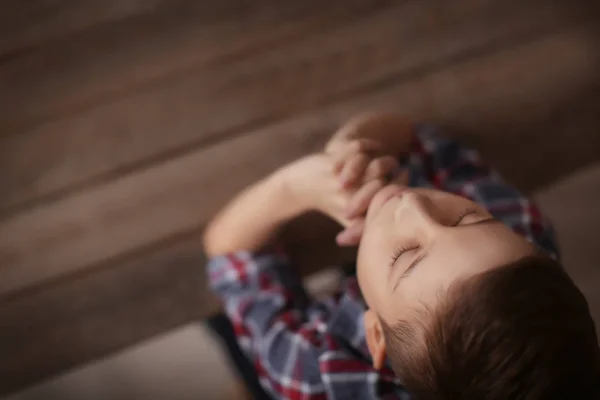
520, 331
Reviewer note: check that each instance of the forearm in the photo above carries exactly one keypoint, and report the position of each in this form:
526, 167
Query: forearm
251, 219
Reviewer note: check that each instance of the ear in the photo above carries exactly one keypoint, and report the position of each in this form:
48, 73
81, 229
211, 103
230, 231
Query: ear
375, 339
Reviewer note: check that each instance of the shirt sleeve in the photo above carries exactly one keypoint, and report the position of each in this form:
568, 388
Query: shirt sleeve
273, 321
445, 164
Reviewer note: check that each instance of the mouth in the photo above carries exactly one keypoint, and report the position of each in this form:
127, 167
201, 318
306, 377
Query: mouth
384, 195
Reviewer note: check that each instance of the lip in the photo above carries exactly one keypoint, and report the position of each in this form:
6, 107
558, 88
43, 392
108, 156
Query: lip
384, 195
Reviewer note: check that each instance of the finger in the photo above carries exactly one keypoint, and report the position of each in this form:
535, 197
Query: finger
342, 151
342, 136
362, 198
380, 168
351, 236
353, 170
349, 149
341, 140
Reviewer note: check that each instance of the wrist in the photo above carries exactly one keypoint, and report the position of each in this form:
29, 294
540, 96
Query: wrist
287, 201
251, 219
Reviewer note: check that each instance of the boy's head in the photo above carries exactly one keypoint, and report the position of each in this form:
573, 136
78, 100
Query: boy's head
463, 308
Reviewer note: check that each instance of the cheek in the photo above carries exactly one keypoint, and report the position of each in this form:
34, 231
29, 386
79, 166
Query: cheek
362, 269
372, 264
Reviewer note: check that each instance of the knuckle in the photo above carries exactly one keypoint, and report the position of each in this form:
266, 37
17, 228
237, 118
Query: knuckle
378, 167
354, 164
355, 145
358, 165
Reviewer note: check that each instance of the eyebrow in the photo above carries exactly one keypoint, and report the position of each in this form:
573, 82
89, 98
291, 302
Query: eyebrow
420, 258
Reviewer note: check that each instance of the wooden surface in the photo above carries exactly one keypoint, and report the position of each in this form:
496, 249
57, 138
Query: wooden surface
27, 24
103, 64
193, 108
124, 127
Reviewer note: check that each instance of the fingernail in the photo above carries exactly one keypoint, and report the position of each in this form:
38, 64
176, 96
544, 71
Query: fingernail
339, 239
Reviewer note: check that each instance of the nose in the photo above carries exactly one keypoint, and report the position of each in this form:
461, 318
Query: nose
417, 212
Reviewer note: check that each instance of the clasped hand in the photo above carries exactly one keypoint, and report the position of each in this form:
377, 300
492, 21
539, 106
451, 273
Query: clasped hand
342, 181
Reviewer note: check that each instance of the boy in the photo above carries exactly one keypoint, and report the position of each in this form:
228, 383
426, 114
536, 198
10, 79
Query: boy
460, 297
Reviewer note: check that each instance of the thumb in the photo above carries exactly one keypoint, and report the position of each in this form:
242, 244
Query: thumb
352, 234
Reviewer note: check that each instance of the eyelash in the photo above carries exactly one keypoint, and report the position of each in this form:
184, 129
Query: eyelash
463, 214
401, 251
396, 254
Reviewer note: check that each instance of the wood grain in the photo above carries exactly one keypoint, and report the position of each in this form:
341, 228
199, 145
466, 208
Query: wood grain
188, 183
92, 314
519, 86
111, 59
25, 24
222, 100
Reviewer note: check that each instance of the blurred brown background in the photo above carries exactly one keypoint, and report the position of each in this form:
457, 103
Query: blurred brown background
124, 124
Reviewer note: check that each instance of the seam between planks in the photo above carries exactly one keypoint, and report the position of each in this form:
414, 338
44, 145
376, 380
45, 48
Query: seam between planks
362, 12
247, 128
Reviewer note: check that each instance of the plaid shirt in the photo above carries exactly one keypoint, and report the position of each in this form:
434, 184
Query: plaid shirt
305, 349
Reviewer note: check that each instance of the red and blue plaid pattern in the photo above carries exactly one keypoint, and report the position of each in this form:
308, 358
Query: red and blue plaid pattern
305, 349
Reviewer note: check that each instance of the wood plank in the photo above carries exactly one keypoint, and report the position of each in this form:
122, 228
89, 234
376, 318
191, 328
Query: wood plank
130, 133
515, 88
95, 313
25, 24
102, 63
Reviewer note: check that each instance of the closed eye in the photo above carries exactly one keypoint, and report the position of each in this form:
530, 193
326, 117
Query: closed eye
408, 270
396, 255
463, 215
